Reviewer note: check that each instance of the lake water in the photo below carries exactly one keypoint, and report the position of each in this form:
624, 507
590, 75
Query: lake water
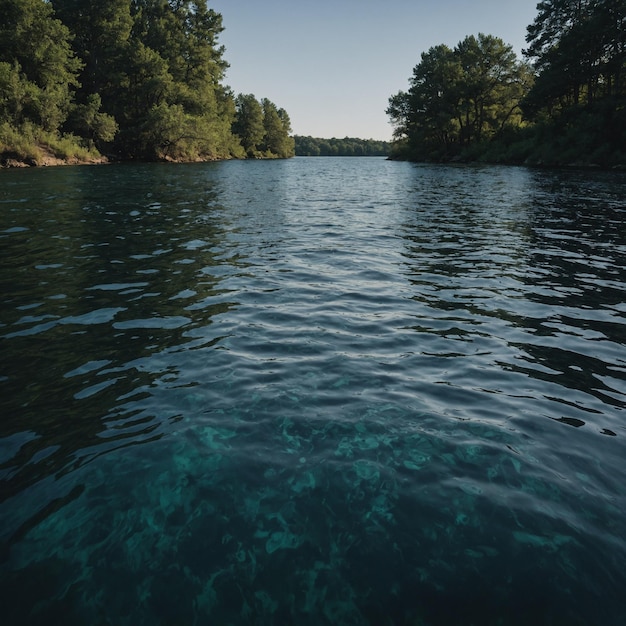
314, 391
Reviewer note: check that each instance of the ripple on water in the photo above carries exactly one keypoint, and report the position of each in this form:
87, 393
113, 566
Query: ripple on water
316, 391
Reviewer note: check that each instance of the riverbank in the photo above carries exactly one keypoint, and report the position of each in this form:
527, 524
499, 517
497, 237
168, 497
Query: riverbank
47, 158
30, 147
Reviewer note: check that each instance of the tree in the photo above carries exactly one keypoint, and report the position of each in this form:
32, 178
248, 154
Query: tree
277, 126
578, 48
578, 101
185, 32
155, 62
101, 38
248, 123
91, 123
491, 87
348, 146
458, 97
144, 77
431, 104
38, 69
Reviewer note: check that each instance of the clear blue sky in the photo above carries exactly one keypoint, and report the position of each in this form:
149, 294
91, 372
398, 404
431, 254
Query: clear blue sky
333, 64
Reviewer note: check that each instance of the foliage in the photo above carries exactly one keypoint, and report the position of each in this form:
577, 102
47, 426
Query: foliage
578, 99
38, 68
248, 123
579, 52
262, 129
19, 144
276, 126
30, 143
459, 97
136, 78
91, 122
477, 102
348, 146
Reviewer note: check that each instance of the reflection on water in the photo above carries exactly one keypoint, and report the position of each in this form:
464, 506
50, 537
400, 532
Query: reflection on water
93, 290
511, 272
324, 391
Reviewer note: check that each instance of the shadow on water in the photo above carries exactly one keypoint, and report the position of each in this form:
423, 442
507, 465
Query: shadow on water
94, 290
541, 271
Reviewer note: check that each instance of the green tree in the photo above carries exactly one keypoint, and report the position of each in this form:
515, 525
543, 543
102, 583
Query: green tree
150, 83
490, 89
38, 69
427, 115
157, 68
277, 126
101, 34
91, 123
248, 124
101, 38
348, 146
184, 34
459, 97
307, 146
578, 101
147, 93
578, 49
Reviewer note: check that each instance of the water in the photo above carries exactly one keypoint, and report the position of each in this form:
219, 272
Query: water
315, 391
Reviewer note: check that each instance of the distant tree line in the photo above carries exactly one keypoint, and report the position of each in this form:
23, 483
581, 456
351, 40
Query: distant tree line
348, 146
138, 79
564, 104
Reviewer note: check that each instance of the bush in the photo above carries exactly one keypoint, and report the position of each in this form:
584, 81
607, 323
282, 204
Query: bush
31, 144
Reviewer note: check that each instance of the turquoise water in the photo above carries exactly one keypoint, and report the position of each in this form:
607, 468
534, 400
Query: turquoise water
315, 391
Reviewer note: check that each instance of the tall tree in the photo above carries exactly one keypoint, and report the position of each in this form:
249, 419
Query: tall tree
101, 33
427, 114
491, 86
459, 97
38, 68
157, 67
151, 68
277, 126
101, 38
248, 123
578, 48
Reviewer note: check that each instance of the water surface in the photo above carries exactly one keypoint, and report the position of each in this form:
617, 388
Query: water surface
315, 391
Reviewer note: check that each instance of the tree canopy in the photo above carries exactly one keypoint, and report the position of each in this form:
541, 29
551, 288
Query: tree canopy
135, 78
579, 52
578, 100
564, 104
348, 146
38, 68
459, 97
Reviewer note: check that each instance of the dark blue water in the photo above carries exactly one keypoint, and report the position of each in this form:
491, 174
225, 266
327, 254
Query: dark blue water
315, 391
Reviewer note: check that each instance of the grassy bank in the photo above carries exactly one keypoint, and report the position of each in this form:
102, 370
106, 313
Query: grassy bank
32, 146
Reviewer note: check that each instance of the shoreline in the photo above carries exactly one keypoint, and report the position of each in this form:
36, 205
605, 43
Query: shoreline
8, 163
12, 160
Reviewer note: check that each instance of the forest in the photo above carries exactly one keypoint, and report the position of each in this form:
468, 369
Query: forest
348, 146
144, 79
563, 104
128, 79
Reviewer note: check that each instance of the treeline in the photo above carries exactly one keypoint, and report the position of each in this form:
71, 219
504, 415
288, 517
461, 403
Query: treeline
135, 79
348, 146
565, 103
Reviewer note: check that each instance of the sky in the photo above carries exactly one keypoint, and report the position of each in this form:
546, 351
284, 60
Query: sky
333, 64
